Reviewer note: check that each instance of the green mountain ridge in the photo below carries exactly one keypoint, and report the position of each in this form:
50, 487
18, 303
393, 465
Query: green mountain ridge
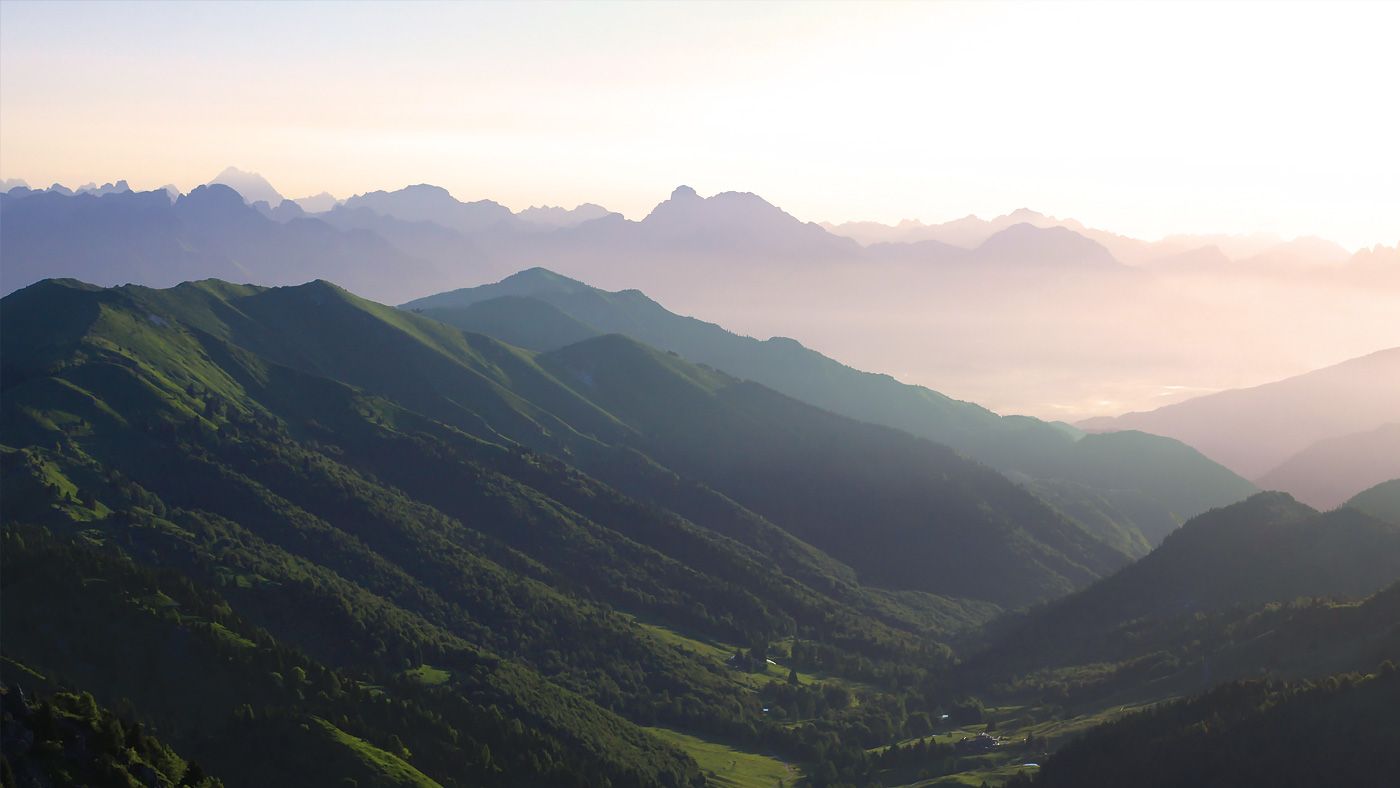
237, 483
744, 439
1140, 487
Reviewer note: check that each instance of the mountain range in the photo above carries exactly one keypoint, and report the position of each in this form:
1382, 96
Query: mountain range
1061, 304
1042, 287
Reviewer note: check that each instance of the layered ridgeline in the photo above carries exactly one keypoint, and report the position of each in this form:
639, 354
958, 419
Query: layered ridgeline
1266, 585
307, 534
151, 239
1131, 489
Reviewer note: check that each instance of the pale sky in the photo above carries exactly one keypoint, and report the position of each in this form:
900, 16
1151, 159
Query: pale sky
1145, 119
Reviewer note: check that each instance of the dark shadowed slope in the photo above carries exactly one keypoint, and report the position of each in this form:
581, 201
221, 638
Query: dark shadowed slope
1251, 734
904, 512
1203, 594
1269, 548
1136, 487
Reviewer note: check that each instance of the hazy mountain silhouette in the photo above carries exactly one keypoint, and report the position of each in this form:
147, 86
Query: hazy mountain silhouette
211, 232
1022, 249
284, 212
552, 216
427, 203
1204, 259
1235, 247
731, 230
1377, 255
1259, 250
967, 232
1302, 251
1043, 301
7, 184
451, 251
736, 220
1378, 264
317, 203
1253, 430
106, 188
252, 186
1332, 470
1026, 244
970, 232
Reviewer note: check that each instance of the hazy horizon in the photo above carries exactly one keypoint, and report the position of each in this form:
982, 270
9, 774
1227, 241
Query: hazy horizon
835, 226
889, 112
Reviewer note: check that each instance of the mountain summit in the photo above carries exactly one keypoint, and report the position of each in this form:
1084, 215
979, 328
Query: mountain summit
250, 185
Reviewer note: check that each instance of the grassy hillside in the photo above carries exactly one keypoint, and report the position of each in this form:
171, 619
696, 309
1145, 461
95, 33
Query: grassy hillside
298, 509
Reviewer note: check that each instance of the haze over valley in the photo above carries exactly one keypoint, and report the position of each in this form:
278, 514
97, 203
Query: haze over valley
1022, 313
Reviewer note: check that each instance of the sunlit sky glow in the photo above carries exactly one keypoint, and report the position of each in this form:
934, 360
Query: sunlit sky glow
1147, 119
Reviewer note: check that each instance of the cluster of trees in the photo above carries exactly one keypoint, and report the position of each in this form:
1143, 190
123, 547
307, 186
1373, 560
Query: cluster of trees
66, 738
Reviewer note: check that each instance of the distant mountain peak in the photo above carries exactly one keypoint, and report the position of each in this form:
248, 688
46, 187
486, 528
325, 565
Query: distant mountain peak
425, 202
1027, 242
557, 216
738, 220
316, 203
540, 275
213, 194
429, 188
1025, 215
250, 185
